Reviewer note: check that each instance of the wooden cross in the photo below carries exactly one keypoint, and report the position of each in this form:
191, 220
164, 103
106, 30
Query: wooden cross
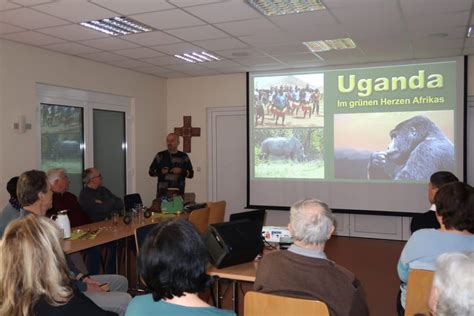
187, 131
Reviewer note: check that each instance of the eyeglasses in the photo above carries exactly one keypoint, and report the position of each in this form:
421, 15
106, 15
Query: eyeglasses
97, 176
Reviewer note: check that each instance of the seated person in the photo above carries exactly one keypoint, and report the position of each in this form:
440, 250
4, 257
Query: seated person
11, 211
428, 219
64, 200
26, 286
304, 271
95, 199
453, 285
99, 204
455, 213
35, 196
173, 264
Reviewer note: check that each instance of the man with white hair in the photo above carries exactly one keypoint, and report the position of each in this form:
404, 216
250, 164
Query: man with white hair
65, 200
304, 271
453, 285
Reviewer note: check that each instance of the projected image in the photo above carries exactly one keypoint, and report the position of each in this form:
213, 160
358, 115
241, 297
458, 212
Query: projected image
289, 101
393, 146
289, 153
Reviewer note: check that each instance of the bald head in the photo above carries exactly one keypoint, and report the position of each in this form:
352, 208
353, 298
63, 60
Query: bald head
172, 142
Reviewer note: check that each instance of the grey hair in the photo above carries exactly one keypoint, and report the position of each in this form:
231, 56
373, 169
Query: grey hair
312, 221
54, 174
454, 279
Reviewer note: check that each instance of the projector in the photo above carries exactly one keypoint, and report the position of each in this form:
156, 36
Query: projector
276, 234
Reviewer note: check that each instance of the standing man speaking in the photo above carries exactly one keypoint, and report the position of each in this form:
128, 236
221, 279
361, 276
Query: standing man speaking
172, 167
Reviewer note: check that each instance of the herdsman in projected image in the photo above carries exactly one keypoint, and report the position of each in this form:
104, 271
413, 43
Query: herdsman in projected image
420, 144
172, 167
289, 101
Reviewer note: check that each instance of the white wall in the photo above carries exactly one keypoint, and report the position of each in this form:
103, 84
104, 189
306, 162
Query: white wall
191, 96
22, 66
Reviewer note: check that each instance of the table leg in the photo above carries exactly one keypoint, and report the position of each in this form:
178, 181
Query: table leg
235, 296
217, 292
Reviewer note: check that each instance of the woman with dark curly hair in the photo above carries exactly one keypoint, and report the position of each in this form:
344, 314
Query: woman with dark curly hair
455, 213
173, 264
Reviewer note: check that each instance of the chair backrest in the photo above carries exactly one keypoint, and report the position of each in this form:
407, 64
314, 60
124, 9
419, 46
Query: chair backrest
130, 200
418, 292
216, 212
199, 219
141, 233
257, 304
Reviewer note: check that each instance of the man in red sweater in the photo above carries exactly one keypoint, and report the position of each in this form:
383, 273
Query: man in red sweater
65, 200
304, 270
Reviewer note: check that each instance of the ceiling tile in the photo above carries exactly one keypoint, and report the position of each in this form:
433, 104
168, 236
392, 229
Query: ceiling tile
271, 39
258, 61
333, 4
437, 53
109, 43
248, 27
443, 20
285, 49
151, 38
164, 61
73, 32
221, 44
103, 56
342, 54
304, 20
76, 11
222, 64
225, 12
429, 7
72, 48
190, 3
127, 7
198, 33
32, 38
427, 44
6, 5
130, 63
168, 19
292, 58
29, 3
240, 53
30, 19
177, 48
140, 52
7, 28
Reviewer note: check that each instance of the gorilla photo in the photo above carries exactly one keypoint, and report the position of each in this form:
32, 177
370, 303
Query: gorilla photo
418, 148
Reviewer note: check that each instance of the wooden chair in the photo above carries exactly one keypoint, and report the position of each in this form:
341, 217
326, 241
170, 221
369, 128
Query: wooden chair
418, 292
257, 304
140, 234
199, 218
217, 212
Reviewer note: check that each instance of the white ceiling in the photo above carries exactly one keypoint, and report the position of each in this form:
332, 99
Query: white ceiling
245, 39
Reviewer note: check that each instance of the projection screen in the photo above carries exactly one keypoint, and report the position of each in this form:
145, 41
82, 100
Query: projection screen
362, 138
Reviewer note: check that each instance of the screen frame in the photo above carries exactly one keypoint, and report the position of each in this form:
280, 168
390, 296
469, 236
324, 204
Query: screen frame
464, 84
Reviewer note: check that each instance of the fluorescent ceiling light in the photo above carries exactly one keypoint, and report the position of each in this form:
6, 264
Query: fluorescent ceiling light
470, 32
195, 57
118, 25
282, 7
322, 46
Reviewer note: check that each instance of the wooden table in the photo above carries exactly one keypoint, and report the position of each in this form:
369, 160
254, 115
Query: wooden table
245, 272
109, 232
241, 272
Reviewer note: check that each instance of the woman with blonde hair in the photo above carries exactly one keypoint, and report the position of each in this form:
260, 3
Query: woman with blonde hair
34, 276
